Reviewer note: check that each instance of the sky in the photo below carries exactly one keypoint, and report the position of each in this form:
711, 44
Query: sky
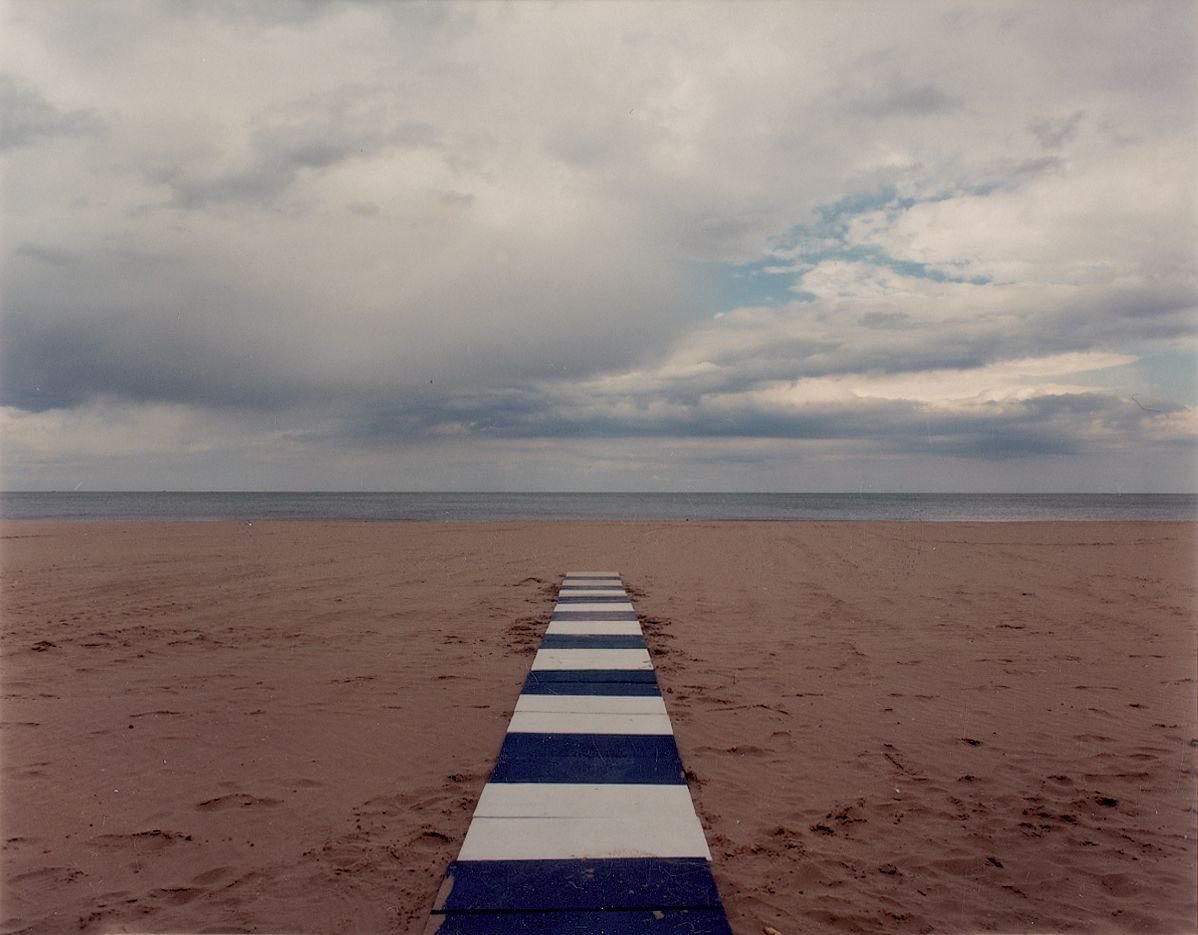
793, 246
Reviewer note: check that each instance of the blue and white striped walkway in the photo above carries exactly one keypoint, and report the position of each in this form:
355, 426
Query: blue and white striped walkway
586, 825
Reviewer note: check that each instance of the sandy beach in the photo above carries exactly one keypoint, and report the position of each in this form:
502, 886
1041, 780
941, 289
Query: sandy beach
283, 727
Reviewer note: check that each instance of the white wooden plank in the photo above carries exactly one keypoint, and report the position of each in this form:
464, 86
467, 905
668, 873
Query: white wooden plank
571, 607
591, 659
573, 838
584, 800
590, 704
593, 574
592, 592
594, 628
566, 722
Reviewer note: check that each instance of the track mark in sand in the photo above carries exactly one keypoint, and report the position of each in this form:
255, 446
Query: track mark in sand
896, 762
177, 895
750, 750
156, 838
215, 875
50, 875
524, 635
722, 705
1120, 884
234, 800
962, 866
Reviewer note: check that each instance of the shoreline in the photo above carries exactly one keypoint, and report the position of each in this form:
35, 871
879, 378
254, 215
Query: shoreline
612, 507
286, 724
517, 523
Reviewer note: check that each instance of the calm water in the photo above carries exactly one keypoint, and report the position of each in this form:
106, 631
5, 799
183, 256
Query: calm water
480, 507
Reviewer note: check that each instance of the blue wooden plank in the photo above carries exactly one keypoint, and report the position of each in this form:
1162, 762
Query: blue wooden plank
618, 769
626, 758
567, 598
541, 676
610, 883
593, 615
637, 922
664, 770
541, 687
652, 746
593, 641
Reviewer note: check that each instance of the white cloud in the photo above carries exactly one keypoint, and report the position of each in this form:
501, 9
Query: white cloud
959, 388
1124, 213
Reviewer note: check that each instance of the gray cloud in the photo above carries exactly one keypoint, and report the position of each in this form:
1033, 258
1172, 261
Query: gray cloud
52, 256
350, 123
154, 356
456, 199
27, 117
1054, 133
1034, 167
898, 98
1042, 426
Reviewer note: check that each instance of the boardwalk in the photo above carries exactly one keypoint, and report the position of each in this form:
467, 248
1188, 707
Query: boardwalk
586, 825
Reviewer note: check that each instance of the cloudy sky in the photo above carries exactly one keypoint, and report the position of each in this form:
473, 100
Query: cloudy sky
621, 246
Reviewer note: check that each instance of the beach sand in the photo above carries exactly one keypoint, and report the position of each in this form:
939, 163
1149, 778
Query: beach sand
888, 727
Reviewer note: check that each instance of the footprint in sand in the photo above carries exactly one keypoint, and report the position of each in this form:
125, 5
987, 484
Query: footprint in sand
960, 866
176, 895
155, 839
53, 875
215, 875
234, 800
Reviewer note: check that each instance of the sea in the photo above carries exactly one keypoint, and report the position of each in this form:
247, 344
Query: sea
501, 507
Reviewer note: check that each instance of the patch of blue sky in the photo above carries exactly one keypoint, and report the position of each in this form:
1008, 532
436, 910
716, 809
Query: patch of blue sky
776, 278
1156, 375
914, 269
859, 203
832, 224
767, 282
1157, 380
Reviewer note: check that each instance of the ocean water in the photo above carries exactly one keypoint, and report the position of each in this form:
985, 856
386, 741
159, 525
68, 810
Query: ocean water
498, 507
